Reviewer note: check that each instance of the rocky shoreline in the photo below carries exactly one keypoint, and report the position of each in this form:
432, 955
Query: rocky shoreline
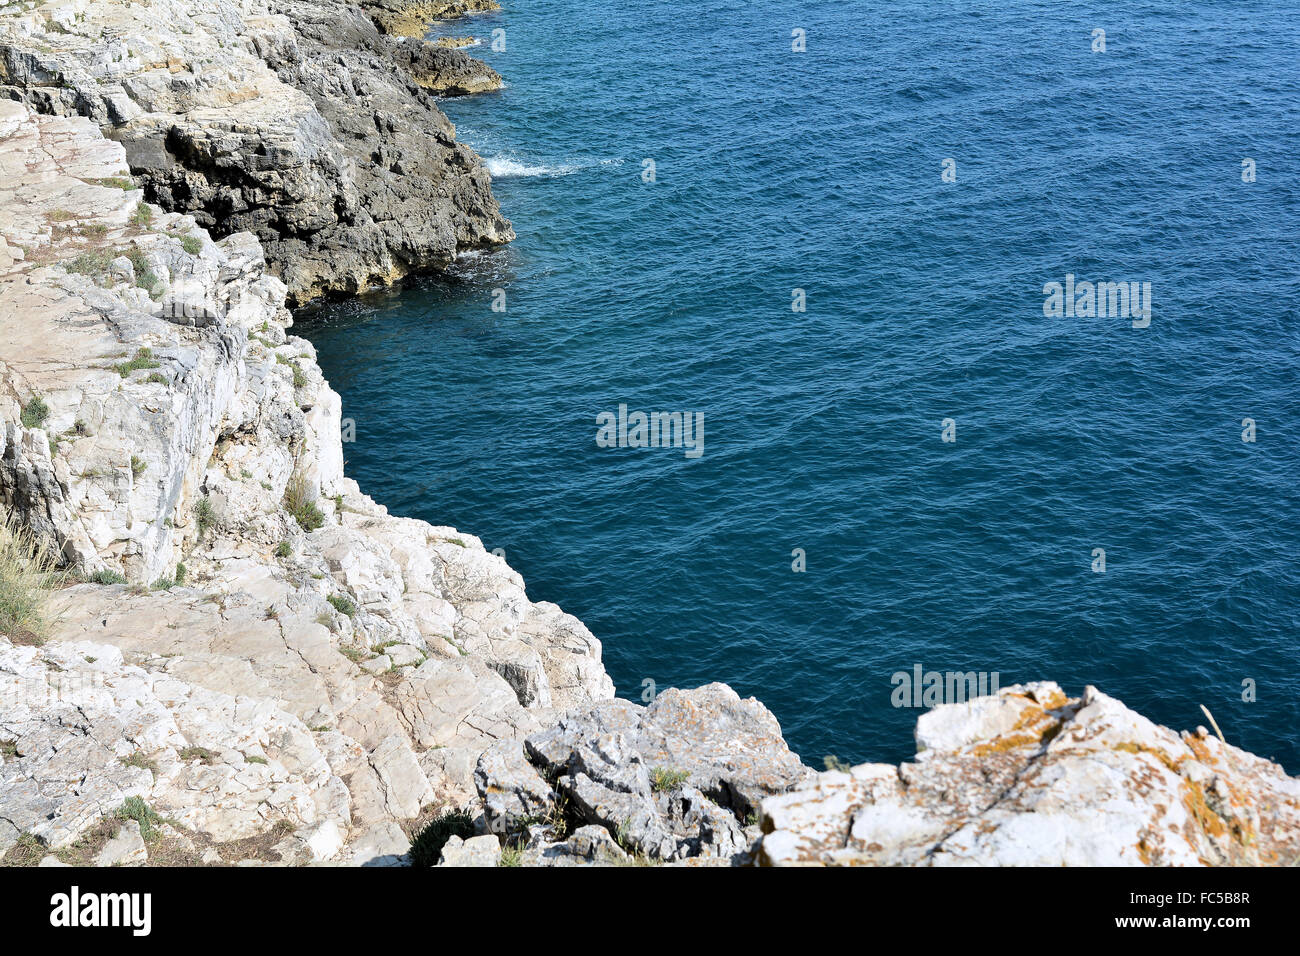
296, 120
253, 662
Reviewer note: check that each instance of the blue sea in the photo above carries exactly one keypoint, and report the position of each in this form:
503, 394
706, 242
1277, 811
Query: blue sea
823, 170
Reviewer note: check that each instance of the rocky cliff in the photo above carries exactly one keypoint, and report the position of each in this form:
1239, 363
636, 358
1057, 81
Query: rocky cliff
252, 661
296, 120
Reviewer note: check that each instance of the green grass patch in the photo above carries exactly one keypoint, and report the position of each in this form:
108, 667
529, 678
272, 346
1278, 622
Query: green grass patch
142, 359
138, 759
205, 516
136, 809
106, 577
35, 412
201, 754
511, 856
298, 501
144, 276
28, 572
299, 379
662, 778
342, 604
93, 263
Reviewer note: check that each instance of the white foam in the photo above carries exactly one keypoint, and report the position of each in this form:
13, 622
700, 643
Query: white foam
507, 167
503, 167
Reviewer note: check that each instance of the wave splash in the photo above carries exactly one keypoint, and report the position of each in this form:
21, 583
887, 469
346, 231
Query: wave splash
508, 167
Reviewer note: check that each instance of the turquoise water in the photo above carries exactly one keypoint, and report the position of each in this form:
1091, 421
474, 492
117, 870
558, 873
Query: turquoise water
821, 171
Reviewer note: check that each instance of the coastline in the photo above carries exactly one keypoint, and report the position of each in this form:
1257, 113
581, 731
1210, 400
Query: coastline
349, 673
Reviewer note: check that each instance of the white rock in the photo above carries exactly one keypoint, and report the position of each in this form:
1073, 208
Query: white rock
476, 851
325, 840
127, 848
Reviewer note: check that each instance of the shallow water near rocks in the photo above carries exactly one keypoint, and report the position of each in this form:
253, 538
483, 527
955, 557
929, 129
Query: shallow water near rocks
822, 430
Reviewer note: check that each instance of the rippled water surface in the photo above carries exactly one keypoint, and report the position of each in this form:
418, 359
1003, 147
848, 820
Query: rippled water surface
821, 171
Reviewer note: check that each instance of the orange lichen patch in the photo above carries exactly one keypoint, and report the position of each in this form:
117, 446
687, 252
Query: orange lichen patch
1206, 819
1144, 853
1034, 728
1049, 700
1132, 748
1197, 746
1233, 835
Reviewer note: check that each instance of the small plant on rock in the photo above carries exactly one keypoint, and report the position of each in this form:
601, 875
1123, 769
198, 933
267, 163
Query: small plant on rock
342, 604
662, 778
511, 856
28, 572
93, 264
28, 851
106, 577
136, 809
201, 754
426, 846
205, 516
300, 503
299, 379
144, 276
139, 760
35, 412
143, 359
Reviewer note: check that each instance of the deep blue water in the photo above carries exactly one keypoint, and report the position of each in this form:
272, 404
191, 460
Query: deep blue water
821, 170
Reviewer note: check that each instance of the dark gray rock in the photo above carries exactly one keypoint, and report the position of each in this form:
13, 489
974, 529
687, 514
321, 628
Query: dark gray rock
318, 133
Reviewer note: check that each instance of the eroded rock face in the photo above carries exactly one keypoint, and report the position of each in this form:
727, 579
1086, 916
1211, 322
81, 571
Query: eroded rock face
296, 120
675, 780
1029, 777
286, 655
84, 731
191, 447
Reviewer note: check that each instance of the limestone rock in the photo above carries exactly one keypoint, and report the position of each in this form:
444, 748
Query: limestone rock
313, 676
514, 793
724, 755
125, 849
476, 851
1030, 777
384, 844
296, 120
